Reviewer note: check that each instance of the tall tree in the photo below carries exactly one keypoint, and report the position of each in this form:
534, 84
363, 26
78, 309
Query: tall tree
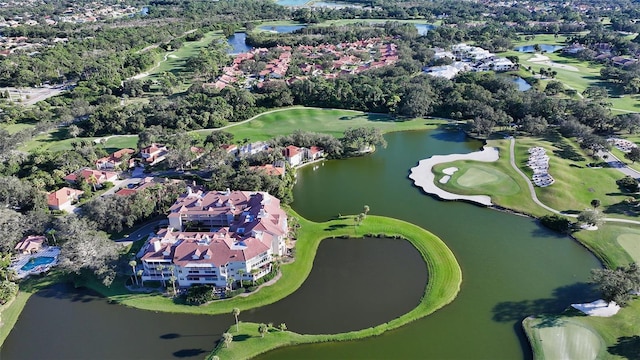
236, 312
263, 329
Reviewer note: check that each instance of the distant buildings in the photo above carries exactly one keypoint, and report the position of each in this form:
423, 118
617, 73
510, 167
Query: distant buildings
468, 58
217, 237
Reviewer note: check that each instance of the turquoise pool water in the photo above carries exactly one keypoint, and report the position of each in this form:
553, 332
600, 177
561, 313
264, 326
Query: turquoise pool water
33, 262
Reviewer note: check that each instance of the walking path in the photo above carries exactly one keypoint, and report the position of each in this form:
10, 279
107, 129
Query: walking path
534, 197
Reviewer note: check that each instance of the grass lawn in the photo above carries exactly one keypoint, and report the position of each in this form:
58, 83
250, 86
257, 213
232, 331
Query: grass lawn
563, 338
176, 60
606, 243
14, 128
445, 277
443, 286
576, 184
329, 121
619, 335
546, 39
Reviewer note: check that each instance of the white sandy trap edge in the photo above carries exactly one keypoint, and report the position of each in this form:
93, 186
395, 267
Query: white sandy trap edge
423, 177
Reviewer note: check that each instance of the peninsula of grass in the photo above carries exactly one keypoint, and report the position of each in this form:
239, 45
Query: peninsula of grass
174, 61
556, 337
328, 121
445, 275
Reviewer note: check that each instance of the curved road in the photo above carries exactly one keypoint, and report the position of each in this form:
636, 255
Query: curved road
535, 199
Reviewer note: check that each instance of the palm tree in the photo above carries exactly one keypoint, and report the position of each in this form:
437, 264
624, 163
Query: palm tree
241, 273
93, 180
235, 313
230, 281
595, 203
52, 233
283, 327
140, 272
133, 264
228, 338
366, 210
161, 269
173, 279
263, 329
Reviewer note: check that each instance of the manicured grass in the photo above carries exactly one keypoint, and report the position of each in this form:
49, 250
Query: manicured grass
610, 331
328, 121
605, 245
445, 277
576, 184
509, 190
176, 60
444, 272
14, 128
563, 339
630, 242
546, 39
476, 178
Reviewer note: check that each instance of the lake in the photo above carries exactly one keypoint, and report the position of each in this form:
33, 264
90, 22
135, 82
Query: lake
282, 28
237, 43
512, 268
543, 47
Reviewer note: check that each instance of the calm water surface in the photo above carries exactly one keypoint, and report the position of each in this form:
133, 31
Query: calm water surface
282, 28
543, 47
511, 266
66, 323
238, 44
522, 84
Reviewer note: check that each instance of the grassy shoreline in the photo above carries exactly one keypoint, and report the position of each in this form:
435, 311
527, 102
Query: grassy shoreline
445, 277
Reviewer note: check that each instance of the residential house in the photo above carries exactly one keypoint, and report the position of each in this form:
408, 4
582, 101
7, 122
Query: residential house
270, 169
315, 153
154, 153
31, 244
294, 155
114, 160
94, 177
245, 231
63, 198
253, 148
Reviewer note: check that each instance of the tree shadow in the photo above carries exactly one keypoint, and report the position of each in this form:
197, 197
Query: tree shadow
189, 353
169, 336
241, 337
627, 346
624, 208
451, 135
566, 151
335, 227
508, 311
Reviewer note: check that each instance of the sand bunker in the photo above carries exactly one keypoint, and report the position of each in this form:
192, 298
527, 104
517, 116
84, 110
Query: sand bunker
450, 171
422, 175
445, 179
544, 60
598, 308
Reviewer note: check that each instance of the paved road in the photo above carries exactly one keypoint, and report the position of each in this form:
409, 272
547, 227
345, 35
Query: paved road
616, 163
143, 231
534, 197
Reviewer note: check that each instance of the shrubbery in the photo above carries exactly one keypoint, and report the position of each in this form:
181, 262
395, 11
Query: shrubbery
556, 223
628, 184
200, 294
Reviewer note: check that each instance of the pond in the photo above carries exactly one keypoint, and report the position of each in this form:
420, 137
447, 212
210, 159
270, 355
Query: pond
423, 29
292, 2
238, 44
282, 28
354, 285
522, 84
543, 47
511, 267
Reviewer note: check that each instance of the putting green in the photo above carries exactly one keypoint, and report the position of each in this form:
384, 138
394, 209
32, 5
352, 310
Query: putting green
569, 341
485, 178
630, 242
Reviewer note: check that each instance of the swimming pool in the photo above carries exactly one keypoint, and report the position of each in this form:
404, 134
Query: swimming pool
33, 262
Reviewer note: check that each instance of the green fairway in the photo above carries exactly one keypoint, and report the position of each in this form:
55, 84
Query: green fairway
328, 121
563, 339
476, 178
631, 244
176, 60
14, 128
